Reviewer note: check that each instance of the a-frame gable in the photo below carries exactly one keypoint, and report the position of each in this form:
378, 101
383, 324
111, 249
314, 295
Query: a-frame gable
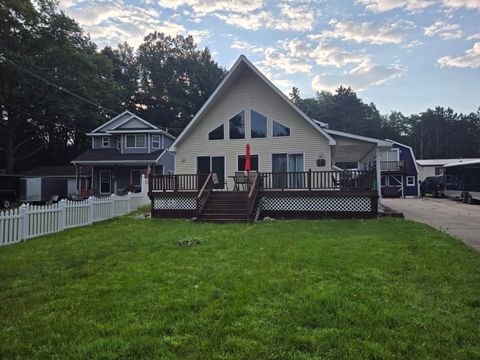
229, 79
122, 121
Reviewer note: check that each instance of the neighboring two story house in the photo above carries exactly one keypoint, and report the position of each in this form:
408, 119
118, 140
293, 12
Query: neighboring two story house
399, 171
122, 150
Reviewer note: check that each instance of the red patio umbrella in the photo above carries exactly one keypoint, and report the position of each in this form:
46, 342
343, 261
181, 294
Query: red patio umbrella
247, 158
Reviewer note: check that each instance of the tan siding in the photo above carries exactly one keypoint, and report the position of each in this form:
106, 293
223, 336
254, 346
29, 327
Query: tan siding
250, 92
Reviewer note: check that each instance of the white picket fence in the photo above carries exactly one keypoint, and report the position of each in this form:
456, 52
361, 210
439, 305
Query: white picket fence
29, 221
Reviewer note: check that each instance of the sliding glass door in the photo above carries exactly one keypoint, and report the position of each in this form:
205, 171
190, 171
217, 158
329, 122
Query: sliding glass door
214, 164
291, 163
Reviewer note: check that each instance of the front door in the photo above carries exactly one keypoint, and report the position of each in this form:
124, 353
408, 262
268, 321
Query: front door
105, 181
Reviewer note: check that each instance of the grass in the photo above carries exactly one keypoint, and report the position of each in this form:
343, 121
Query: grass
124, 288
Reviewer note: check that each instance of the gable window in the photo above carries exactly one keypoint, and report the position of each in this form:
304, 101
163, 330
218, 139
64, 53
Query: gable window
410, 180
259, 125
135, 141
217, 133
253, 163
237, 126
156, 141
105, 141
280, 130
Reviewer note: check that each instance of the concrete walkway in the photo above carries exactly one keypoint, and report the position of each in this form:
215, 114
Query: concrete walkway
452, 216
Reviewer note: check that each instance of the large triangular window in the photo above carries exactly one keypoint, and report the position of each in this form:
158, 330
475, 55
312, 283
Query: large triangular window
237, 126
280, 130
217, 133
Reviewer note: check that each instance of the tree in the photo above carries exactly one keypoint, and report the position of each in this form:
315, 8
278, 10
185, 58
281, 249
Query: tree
45, 58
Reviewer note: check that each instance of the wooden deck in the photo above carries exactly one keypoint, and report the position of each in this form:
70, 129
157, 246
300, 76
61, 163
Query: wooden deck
308, 194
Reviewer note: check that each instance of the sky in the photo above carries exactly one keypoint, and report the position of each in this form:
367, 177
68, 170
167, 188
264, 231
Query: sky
403, 55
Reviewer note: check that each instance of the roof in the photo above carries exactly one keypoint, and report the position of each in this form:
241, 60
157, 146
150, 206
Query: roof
409, 148
359, 137
99, 156
442, 162
470, 162
237, 67
127, 115
56, 171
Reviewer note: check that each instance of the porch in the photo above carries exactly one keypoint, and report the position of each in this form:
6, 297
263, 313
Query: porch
304, 194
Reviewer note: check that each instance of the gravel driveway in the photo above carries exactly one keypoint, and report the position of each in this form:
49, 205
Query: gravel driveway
456, 218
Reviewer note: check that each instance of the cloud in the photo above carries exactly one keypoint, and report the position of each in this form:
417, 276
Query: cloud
445, 30
412, 6
283, 84
471, 59
369, 32
469, 4
364, 76
290, 18
474, 37
203, 7
322, 53
273, 58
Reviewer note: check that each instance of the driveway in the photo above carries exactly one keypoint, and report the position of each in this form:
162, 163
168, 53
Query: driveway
452, 216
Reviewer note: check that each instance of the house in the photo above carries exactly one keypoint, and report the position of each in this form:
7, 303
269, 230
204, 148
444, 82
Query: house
293, 155
399, 171
122, 150
67, 173
433, 167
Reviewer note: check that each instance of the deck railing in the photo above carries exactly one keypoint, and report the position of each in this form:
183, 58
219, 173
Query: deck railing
319, 180
393, 166
203, 194
252, 194
303, 180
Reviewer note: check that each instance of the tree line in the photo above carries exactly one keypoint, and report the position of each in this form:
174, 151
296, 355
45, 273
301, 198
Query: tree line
56, 85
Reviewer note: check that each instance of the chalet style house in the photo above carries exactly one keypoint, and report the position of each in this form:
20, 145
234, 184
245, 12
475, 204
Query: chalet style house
295, 161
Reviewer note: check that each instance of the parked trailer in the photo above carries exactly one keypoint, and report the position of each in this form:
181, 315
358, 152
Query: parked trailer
462, 180
42, 189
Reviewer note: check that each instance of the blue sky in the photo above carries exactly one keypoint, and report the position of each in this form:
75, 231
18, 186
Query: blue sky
404, 55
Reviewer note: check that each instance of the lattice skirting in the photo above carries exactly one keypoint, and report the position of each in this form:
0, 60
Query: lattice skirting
356, 203
174, 203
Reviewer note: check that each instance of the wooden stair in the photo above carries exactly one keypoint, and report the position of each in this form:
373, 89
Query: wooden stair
226, 206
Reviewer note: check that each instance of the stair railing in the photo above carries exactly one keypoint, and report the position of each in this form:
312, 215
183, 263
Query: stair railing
252, 195
204, 193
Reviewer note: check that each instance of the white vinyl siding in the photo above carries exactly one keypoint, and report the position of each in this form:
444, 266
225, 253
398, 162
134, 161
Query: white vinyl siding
250, 92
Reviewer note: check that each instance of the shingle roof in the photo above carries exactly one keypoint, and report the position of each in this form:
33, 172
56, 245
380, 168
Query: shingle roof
67, 171
441, 162
112, 155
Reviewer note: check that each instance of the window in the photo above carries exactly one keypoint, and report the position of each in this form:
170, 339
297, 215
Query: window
156, 141
237, 126
280, 130
105, 141
253, 163
136, 177
259, 125
135, 141
410, 180
217, 133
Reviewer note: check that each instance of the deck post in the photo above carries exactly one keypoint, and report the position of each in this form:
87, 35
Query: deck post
378, 173
309, 179
77, 178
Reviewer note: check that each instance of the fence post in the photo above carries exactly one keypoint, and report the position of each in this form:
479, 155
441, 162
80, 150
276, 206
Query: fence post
23, 229
90, 210
129, 202
112, 208
62, 222
309, 179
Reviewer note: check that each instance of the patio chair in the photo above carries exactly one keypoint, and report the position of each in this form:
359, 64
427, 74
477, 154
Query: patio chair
216, 183
240, 179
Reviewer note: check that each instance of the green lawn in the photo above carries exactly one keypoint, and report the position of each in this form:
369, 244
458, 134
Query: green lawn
124, 288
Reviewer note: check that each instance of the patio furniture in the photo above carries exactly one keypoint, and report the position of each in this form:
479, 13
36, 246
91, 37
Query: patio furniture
240, 179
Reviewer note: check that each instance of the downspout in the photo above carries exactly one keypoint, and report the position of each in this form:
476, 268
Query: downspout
379, 176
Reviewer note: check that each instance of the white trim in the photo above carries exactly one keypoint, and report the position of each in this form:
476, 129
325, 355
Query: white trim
100, 181
410, 177
222, 85
473, 162
103, 141
136, 147
134, 117
110, 121
379, 142
146, 131
411, 153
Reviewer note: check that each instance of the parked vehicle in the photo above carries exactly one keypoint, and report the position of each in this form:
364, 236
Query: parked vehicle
42, 189
8, 190
434, 185
463, 181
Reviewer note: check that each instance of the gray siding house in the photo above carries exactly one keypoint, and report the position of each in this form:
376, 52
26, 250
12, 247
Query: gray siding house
122, 150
